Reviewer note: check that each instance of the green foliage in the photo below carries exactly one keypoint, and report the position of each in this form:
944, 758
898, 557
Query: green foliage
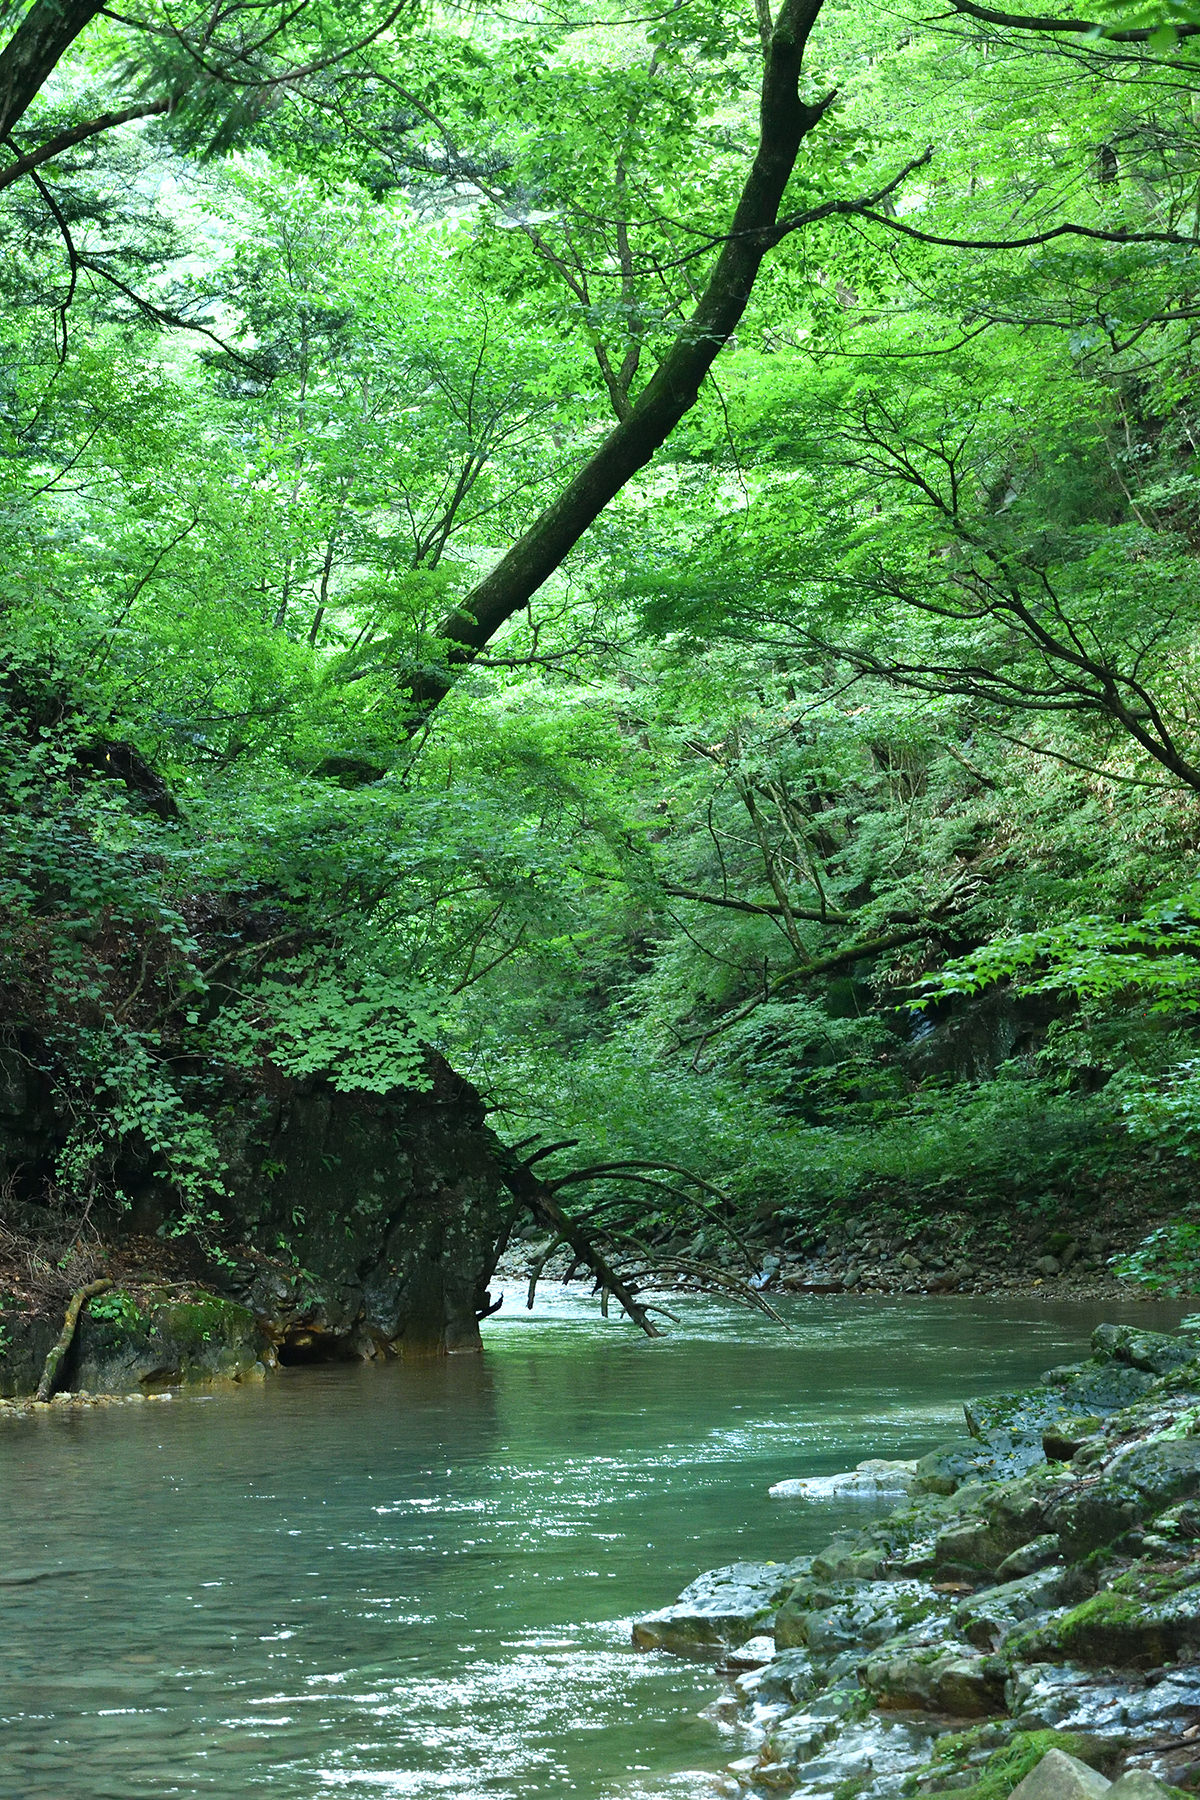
828, 822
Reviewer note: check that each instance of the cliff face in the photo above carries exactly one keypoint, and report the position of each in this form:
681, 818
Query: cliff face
355, 1225
390, 1210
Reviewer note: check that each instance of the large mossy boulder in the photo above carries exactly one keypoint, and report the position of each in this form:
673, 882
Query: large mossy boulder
1138, 1484
353, 1225
122, 1346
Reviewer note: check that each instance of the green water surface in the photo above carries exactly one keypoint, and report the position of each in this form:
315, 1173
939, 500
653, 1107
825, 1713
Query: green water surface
417, 1580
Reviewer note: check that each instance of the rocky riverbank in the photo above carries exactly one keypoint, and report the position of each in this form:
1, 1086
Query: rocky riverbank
1038, 1590
884, 1251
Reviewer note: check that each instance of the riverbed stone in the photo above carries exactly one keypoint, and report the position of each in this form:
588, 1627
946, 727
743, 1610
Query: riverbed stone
950, 1467
934, 1678
1013, 1514
872, 1480
1061, 1777
1122, 1707
1141, 1482
831, 1618
1122, 1628
988, 1618
1037, 1554
1012, 1426
1154, 1352
721, 1608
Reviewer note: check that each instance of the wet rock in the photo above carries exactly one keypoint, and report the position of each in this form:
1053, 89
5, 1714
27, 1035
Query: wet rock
1037, 1554
830, 1619
949, 1467
790, 1676
1017, 1513
1154, 1352
753, 1654
720, 1609
864, 1757
848, 1558
1141, 1482
988, 1618
1012, 1426
1047, 1266
1124, 1708
802, 1734
935, 1679
872, 1480
1130, 1630
1061, 1777
1062, 1442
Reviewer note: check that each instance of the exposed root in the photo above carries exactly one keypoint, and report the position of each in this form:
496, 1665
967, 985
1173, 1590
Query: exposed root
66, 1336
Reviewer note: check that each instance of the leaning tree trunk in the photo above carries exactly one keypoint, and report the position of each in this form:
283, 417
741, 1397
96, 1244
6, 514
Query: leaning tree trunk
785, 121
41, 39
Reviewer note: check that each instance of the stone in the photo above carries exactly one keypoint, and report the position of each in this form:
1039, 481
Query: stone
171, 1342
1138, 1484
873, 1480
931, 1678
1016, 1515
1139, 1784
848, 1558
720, 1609
1063, 1441
1039, 1552
1061, 1777
831, 1618
946, 1469
988, 1618
1047, 1266
1154, 1352
1129, 1630
790, 1676
753, 1654
1120, 1708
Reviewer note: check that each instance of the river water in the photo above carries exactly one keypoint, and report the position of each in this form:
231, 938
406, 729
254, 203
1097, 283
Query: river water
417, 1580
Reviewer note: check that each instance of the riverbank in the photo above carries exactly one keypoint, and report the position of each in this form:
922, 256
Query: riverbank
1038, 1589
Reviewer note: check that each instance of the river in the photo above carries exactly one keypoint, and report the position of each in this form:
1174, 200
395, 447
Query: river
417, 1580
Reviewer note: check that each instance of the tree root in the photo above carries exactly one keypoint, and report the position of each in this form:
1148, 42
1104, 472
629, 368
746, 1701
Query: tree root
66, 1336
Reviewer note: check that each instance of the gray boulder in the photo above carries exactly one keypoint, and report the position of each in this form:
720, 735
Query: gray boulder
1061, 1777
1151, 1351
934, 1678
720, 1609
1137, 1485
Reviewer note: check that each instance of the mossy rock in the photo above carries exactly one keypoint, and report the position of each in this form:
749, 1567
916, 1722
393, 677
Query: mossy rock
1154, 1352
1147, 1479
124, 1345
1008, 1766
1119, 1629
26, 1339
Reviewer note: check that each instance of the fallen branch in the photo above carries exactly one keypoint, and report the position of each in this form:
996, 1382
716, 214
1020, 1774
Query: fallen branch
66, 1336
523, 1185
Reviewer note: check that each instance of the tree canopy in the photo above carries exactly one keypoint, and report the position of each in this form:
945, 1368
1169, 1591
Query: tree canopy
653, 551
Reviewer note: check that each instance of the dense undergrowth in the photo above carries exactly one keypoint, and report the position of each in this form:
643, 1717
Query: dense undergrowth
827, 825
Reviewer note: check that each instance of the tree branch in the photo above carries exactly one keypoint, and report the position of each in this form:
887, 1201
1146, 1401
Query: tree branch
78, 134
988, 15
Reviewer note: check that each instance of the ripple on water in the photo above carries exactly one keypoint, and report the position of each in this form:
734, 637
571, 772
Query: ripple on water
414, 1581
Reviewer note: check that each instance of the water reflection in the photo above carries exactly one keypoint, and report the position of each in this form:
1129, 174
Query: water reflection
416, 1581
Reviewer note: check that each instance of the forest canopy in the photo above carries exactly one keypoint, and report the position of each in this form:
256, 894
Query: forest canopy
654, 552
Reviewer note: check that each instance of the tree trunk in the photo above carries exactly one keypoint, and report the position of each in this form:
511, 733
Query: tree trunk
34, 49
785, 121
